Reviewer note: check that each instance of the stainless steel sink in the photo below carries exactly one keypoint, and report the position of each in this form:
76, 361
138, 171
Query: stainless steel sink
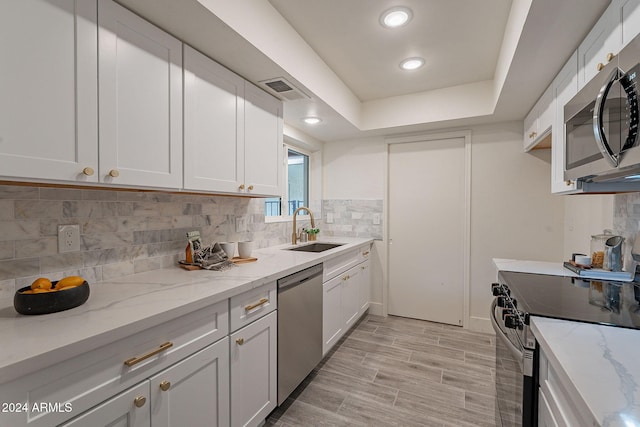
316, 247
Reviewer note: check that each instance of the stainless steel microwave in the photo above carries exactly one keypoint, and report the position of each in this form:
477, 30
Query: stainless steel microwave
601, 123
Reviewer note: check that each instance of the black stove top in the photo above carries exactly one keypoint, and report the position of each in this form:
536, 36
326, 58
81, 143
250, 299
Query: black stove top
569, 298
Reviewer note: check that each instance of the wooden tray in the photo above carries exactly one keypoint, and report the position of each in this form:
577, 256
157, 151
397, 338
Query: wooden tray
235, 260
238, 260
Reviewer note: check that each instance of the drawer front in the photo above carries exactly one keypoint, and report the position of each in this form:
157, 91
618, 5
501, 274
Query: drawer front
89, 379
341, 263
365, 253
252, 305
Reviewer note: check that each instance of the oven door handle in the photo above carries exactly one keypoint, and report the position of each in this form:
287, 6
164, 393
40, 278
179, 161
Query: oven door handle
517, 353
598, 119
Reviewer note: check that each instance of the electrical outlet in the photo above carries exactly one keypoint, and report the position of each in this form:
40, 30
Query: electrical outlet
329, 217
241, 224
68, 238
376, 219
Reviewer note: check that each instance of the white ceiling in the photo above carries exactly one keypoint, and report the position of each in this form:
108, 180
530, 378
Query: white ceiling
487, 60
460, 41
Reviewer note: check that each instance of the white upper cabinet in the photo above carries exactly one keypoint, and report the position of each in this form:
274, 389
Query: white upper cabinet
537, 124
140, 103
48, 107
630, 15
565, 86
233, 131
213, 125
600, 46
263, 149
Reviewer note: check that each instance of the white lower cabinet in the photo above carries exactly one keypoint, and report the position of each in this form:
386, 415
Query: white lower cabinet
254, 371
192, 392
345, 295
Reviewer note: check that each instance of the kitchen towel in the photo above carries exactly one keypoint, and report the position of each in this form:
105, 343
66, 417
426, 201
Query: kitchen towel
213, 258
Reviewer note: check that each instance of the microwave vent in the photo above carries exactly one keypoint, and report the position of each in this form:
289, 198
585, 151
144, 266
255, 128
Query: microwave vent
283, 89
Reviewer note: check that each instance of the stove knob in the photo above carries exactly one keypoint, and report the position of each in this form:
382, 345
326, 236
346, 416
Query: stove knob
501, 301
495, 289
525, 316
506, 290
506, 312
514, 302
511, 321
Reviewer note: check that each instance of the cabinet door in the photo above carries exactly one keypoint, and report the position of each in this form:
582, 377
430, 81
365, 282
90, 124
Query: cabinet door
545, 415
565, 86
350, 297
602, 40
365, 286
254, 371
128, 409
48, 82
194, 391
213, 125
332, 325
140, 102
262, 142
630, 13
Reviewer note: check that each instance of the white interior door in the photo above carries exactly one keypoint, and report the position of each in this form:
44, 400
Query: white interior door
427, 223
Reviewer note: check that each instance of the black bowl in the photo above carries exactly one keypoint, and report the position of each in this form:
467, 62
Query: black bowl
50, 302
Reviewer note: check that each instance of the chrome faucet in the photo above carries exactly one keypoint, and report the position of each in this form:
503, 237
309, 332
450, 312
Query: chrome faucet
294, 236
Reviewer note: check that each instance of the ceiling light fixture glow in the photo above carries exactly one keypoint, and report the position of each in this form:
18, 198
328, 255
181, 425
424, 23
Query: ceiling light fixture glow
395, 17
412, 63
312, 120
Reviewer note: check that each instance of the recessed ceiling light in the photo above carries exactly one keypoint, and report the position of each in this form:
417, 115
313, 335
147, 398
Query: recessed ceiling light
312, 120
412, 63
395, 17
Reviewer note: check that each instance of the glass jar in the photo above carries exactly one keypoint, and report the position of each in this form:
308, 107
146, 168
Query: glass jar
597, 248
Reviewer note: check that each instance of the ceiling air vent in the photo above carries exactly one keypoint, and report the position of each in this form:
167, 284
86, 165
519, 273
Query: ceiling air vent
283, 89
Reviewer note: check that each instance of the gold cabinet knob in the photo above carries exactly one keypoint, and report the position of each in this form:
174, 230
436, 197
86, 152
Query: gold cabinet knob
600, 66
139, 401
165, 385
533, 135
114, 173
240, 341
568, 182
241, 187
610, 56
88, 171
250, 187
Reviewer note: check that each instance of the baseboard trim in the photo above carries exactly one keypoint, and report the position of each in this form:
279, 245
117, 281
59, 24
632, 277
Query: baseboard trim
375, 308
480, 324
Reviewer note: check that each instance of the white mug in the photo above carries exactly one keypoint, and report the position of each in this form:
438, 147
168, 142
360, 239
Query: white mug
229, 248
244, 249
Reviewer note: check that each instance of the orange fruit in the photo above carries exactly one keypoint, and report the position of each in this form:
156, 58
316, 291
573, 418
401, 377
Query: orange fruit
71, 281
40, 291
41, 283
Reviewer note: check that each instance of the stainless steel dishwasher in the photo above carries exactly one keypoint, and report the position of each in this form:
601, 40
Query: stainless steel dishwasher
299, 328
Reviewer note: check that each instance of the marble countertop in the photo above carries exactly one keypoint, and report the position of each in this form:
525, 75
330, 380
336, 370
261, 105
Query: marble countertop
599, 364
122, 307
537, 267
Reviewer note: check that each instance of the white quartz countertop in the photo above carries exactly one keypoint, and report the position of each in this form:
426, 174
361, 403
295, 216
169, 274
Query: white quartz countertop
119, 308
600, 364
537, 267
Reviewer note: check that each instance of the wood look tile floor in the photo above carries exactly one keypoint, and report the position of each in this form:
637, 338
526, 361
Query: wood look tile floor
396, 371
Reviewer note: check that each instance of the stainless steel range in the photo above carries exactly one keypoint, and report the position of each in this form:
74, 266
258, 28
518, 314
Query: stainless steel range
518, 296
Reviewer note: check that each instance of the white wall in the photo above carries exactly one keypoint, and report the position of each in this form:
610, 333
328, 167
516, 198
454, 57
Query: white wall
585, 215
513, 214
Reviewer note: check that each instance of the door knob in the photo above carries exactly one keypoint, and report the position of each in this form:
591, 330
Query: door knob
610, 56
240, 341
165, 385
114, 173
241, 187
139, 401
600, 66
88, 171
250, 187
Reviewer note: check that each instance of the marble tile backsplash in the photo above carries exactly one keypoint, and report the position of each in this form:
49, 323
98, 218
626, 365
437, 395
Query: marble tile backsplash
352, 218
121, 232
626, 221
125, 232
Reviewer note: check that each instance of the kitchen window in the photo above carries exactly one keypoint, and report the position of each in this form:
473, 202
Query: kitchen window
297, 172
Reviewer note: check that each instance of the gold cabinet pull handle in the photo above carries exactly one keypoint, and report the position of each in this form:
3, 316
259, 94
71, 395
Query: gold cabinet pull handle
241, 187
165, 385
258, 304
568, 182
139, 401
88, 171
136, 360
240, 341
365, 253
114, 173
610, 56
600, 66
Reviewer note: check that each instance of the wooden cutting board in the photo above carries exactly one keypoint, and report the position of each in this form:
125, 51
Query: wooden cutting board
235, 260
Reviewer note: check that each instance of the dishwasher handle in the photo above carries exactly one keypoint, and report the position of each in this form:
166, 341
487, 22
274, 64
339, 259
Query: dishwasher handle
300, 277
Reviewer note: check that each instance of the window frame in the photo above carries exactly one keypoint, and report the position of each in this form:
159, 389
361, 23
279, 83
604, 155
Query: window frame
284, 196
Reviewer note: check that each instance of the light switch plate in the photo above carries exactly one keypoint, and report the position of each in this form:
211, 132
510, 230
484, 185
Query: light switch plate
329, 218
376, 219
68, 238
